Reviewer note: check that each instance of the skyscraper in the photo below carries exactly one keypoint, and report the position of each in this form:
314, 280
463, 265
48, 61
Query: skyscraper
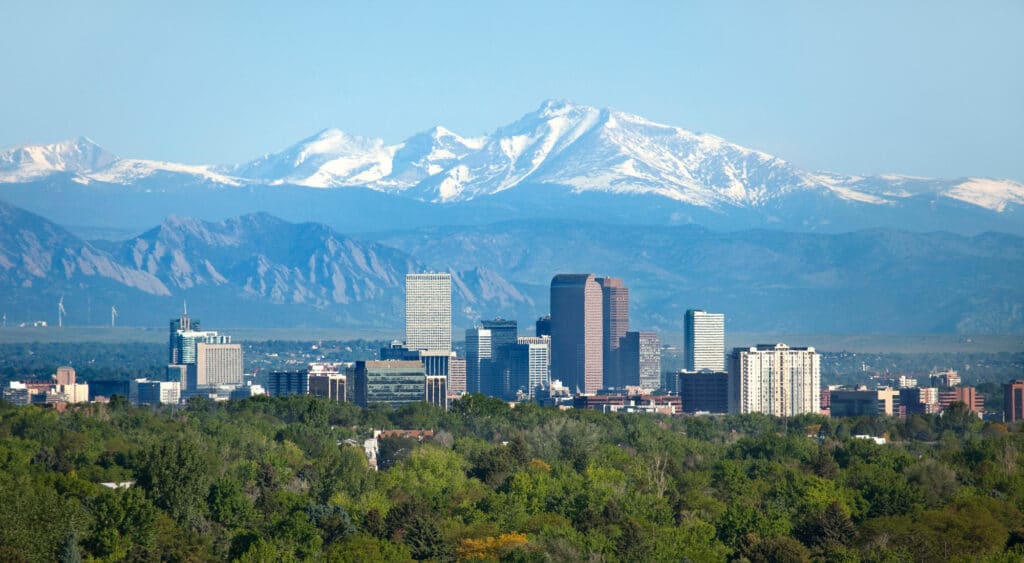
775, 379
531, 364
496, 376
615, 315
428, 312
576, 332
639, 361
478, 357
704, 336
182, 324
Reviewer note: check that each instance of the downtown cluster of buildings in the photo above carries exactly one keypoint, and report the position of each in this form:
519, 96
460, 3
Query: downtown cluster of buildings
582, 355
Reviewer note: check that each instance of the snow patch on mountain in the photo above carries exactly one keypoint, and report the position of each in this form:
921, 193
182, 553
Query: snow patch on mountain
988, 193
331, 158
129, 171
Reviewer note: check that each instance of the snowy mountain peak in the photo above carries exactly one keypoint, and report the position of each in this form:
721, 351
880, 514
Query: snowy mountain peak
28, 162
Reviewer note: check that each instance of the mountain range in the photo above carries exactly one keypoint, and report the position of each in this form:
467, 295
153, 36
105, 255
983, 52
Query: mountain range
589, 163
260, 271
322, 232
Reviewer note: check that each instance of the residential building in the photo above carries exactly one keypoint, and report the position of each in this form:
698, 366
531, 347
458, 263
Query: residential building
577, 332
428, 311
704, 341
776, 379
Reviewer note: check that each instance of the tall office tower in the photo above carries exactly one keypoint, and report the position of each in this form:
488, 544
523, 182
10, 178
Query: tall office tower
639, 361
650, 360
531, 365
615, 315
704, 336
496, 378
394, 382
478, 357
456, 377
576, 332
775, 379
183, 324
543, 327
1013, 401
428, 312
216, 364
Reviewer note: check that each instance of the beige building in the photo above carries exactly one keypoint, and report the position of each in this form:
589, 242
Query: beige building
428, 312
216, 365
775, 379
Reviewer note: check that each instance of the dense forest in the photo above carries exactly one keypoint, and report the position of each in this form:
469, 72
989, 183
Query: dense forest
287, 479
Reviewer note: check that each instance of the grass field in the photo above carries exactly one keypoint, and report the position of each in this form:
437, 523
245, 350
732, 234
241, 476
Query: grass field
867, 343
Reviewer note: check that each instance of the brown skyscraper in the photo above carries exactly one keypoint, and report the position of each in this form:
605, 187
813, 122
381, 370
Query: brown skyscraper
615, 313
576, 332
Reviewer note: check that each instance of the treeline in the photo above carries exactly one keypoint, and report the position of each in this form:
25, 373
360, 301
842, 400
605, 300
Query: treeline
280, 479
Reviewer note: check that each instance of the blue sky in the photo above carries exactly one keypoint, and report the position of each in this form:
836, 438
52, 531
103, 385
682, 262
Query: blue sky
924, 88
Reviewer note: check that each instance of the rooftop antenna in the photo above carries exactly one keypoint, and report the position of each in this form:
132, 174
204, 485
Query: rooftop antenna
60, 312
113, 316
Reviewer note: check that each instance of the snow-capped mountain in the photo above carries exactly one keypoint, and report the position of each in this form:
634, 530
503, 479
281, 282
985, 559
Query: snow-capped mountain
582, 148
29, 162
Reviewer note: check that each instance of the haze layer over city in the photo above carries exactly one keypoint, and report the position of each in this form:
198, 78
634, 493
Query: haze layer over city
523, 282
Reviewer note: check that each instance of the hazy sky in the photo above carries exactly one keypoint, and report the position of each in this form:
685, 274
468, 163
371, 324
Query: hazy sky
925, 88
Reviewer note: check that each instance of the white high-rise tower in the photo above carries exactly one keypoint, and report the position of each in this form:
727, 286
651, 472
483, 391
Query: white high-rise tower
704, 346
428, 312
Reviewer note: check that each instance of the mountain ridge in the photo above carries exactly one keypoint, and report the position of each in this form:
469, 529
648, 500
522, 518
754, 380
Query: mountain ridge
583, 148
